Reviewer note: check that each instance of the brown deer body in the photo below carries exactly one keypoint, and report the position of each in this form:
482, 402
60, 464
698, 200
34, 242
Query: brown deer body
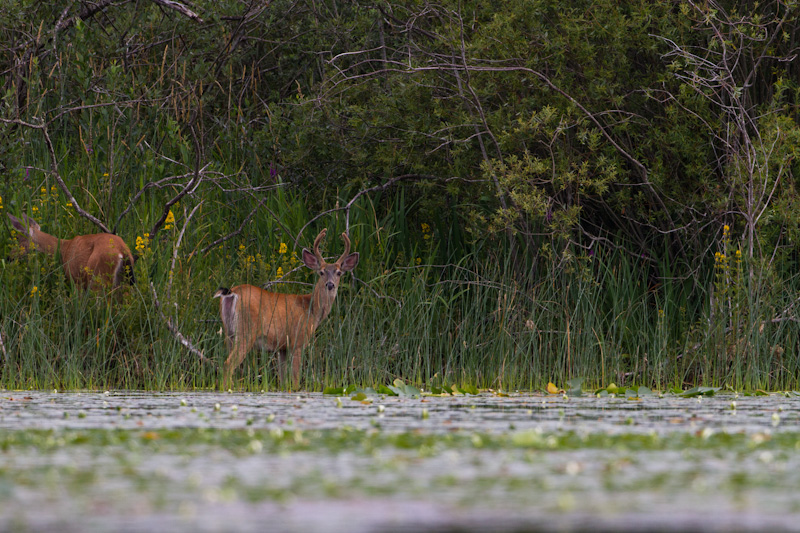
282, 323
100, 259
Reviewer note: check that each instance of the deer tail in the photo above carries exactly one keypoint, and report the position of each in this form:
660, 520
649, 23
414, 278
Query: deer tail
227, 310
124, 270
222, 291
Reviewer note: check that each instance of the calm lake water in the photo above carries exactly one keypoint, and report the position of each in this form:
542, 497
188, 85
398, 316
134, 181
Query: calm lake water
137, 461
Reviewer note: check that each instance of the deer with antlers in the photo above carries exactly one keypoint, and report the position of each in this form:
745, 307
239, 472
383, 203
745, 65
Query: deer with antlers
280, 322
95, 260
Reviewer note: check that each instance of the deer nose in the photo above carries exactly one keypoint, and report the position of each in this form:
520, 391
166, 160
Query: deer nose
330, 285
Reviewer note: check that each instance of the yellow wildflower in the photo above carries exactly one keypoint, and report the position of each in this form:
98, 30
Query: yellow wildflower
34, 209
725, 229
279, 273
426, 231
43, 190
170, 221
69, 205
241, 247
283, 248
34, 290
142, 243
1, 202
419, 260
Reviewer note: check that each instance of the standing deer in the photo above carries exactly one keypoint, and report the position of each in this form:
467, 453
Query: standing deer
280, 322
100, 259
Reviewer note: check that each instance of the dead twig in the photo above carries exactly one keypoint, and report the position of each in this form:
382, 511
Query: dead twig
349, 205
784, 315
168, 321
180, 337
178, 245
180, 8
54, 171
236, 231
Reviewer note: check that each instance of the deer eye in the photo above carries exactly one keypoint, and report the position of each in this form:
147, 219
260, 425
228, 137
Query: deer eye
338, 272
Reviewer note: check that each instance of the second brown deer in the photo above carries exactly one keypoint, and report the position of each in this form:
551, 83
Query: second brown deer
95, 260
282, 323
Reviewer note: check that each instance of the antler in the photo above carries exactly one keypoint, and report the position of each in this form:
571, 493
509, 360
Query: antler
316, 246
346, 240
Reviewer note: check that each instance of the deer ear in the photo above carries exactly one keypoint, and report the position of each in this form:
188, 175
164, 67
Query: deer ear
350, 262
31, 223
16, 223
310, 260
27, 227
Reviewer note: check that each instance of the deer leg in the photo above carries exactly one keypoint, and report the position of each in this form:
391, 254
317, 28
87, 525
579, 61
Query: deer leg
229, 344
282, 366
241, 346
296, 368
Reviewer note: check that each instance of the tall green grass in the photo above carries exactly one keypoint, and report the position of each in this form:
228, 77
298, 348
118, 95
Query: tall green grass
418, 308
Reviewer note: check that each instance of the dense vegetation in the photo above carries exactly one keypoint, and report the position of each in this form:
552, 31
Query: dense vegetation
538, 190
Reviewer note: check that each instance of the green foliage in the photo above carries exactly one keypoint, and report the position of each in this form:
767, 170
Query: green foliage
559, 194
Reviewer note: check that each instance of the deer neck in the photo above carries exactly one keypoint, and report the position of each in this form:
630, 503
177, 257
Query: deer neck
48, 244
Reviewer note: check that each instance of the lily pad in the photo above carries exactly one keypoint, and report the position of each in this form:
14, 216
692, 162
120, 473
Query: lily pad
443, 390
574, 385
401, 389
383, 389
552, 389
466, 389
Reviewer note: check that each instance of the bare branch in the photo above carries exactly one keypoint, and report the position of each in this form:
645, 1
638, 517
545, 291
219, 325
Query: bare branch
54, 171
178, 245
190, 187
168, 321
236, 231
163, 182
375, 293
359, 194
180, 8
180, 337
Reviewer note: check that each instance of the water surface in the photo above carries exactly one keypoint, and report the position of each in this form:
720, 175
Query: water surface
137, 461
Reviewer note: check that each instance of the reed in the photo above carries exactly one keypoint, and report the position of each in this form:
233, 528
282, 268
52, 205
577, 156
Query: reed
420, 307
